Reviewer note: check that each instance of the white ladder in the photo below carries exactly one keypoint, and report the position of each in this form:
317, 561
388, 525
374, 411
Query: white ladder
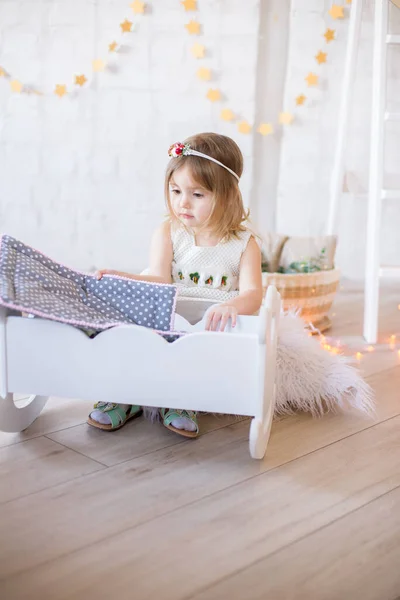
374, 271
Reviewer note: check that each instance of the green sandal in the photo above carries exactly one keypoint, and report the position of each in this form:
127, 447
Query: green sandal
169, 415
118, 415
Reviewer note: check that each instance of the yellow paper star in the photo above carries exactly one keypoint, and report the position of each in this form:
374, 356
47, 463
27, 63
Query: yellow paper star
312, 79
98, 65
137, 7
60, 90
197, 50
300, 99
265, 129
112, 47
227, 114
193, 27
214, 95
321, 57
285, 118
336, 12
80, 80
2, 72
244, 127
204, 74
189, 4
126, 26
329, 35
16, 86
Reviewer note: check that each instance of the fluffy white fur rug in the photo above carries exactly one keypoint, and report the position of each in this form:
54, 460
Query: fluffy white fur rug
309, 378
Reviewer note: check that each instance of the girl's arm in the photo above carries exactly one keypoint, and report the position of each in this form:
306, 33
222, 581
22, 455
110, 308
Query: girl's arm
160, 267
250, 295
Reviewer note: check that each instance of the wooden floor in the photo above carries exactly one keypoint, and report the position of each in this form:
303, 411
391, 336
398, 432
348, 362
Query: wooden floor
142, 514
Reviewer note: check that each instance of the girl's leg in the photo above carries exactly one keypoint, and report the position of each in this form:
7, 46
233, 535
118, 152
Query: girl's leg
155, 415
183, 422
101, 416
110, 416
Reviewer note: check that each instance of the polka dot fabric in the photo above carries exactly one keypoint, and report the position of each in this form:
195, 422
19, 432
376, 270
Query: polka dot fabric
32, 283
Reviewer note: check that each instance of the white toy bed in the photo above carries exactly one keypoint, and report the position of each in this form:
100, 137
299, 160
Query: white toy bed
232, 372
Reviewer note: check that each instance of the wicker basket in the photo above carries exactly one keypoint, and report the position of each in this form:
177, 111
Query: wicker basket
312, 293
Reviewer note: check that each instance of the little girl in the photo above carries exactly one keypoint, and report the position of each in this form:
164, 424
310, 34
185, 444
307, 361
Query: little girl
204, 248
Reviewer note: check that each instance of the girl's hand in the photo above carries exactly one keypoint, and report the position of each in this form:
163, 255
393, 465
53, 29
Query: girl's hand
99, 274
218, 317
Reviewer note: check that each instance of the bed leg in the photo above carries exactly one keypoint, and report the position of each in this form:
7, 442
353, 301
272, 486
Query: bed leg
14, 418
259, 434
261, 424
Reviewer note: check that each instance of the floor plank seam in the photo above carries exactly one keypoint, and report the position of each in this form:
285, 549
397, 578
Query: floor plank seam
35, 436
350, 435
162, 515
197, 500
380, 372
77, 452
49, 487
285, 546
177, 443
103, 466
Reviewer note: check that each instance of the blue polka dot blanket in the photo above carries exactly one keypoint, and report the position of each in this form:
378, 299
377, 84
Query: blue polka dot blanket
32, 283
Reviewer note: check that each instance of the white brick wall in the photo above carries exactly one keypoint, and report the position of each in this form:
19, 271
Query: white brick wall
308, 146
82, 178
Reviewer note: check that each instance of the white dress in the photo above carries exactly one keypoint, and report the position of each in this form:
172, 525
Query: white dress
308, 378
205, 275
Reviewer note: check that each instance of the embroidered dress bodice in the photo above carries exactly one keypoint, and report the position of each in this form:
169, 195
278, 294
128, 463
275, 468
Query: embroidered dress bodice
207, 272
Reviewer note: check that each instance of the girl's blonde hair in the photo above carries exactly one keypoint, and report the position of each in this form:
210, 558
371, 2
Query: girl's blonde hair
228, 215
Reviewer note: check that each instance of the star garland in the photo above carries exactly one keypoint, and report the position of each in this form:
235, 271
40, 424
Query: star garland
312, 79
198, 51
285, 118
81, 80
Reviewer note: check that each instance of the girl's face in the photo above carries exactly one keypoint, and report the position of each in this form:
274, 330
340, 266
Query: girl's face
191, 203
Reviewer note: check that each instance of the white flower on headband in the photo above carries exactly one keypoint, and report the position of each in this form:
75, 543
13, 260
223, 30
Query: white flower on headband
179, 149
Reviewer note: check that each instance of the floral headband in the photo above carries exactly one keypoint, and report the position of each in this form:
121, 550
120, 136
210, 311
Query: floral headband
178, 149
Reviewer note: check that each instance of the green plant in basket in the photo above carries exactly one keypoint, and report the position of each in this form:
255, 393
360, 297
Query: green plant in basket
307, 265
